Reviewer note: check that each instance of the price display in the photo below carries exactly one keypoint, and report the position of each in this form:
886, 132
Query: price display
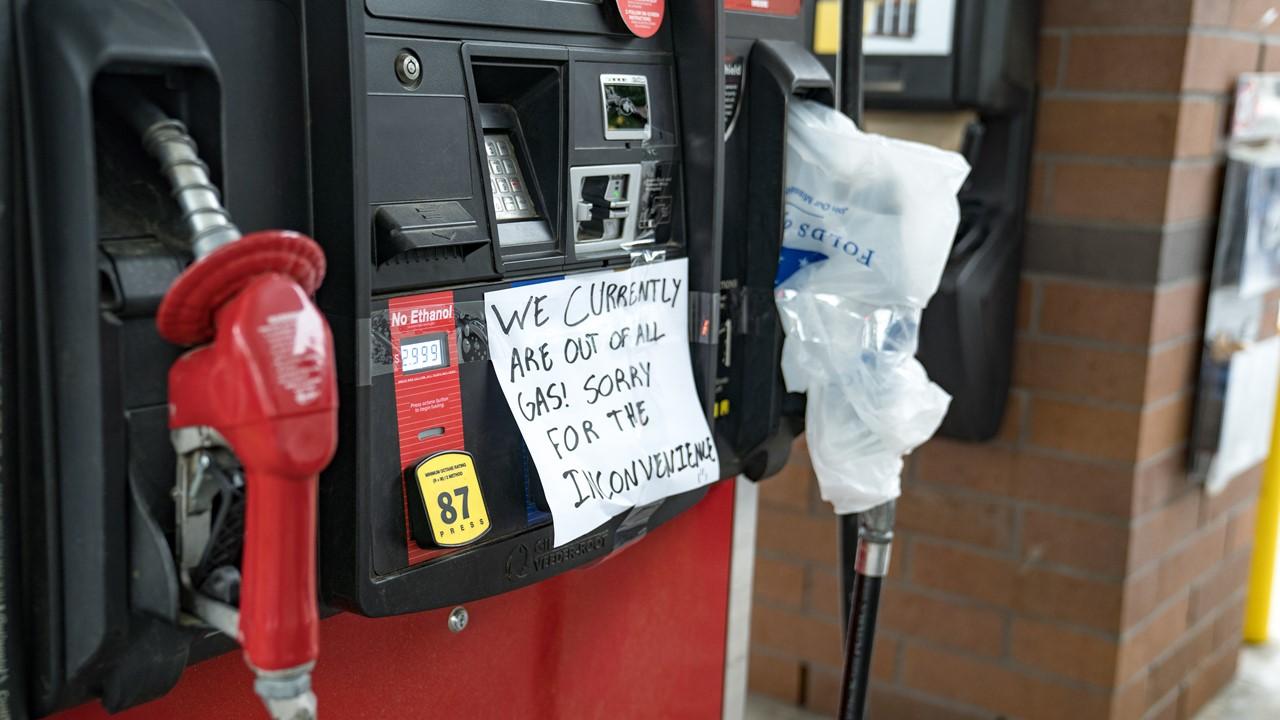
428, 352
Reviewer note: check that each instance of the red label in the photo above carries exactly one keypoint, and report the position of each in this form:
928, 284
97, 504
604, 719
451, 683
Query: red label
766, 7
428, 396
643, 17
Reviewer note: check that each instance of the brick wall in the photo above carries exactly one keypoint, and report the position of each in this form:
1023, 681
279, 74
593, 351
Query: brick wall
1069, 569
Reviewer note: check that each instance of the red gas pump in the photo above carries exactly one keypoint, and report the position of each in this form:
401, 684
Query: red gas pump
257, 396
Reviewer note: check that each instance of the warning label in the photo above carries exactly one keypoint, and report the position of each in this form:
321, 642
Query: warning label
643, 17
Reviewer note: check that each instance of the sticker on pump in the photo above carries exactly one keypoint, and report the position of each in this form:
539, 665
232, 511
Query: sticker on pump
643, 17
448, 494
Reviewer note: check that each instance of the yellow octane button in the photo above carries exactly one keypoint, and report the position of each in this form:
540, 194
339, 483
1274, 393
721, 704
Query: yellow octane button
452, 499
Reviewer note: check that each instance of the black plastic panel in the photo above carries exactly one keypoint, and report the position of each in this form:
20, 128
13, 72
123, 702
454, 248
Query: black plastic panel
531, 77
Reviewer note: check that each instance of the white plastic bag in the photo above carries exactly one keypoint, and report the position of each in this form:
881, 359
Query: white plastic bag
870, 222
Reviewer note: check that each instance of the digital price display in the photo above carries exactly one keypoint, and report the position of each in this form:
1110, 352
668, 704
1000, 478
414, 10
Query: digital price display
426, 352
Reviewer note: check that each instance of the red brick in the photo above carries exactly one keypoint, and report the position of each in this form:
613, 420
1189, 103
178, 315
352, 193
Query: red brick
1096, 312
963, 572
1114, 192
792, 634
1166, 708
1126, 63
884, 657
1042, 592
1165, 426
1189, 651
1109, 128
1141, 597
790, 487
1211, 13
798, 535
774, 676
1239, 492
822, 594
1099, 488
1149, 641
1103, 432
779, 581
1154, 533
1085, 656
938, 513
822, 689
1216, 590
1178, 310
1161, 480
1241, 528
1214, 62
996, 688
1271, 57
1010, 430
1200, 128
982, 467
1055, 596
1070, 369
1130, 701
1171, 370
1228, 628
951, 623
1250, 15
1179, 569
1091, 545
1212, 677
1195, 188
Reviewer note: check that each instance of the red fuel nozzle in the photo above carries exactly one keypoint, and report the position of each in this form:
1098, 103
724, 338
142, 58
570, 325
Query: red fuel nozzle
266, 384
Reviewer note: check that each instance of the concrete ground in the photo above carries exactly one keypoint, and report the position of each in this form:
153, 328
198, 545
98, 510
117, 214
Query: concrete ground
1254, 694
763, 708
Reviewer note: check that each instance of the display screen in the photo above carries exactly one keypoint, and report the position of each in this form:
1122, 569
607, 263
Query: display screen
428, 352
626, 106
908, 27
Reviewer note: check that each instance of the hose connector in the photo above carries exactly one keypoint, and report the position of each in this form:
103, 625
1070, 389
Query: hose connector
207, 221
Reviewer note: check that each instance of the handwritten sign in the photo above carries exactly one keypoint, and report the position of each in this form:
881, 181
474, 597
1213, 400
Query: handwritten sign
596, 371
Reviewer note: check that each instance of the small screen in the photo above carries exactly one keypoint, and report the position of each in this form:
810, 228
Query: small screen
627, 106
428, 352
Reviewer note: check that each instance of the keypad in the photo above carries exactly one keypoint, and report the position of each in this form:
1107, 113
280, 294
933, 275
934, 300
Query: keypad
511, 199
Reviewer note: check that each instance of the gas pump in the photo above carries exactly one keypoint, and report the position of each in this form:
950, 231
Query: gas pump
435, 150
459, 148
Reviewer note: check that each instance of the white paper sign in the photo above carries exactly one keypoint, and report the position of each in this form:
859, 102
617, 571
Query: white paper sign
596, 371
1248, 412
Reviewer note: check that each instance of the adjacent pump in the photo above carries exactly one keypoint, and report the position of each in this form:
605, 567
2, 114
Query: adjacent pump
978, 56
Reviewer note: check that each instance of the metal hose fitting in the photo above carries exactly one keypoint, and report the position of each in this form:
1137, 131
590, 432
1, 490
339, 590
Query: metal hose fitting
209, 223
